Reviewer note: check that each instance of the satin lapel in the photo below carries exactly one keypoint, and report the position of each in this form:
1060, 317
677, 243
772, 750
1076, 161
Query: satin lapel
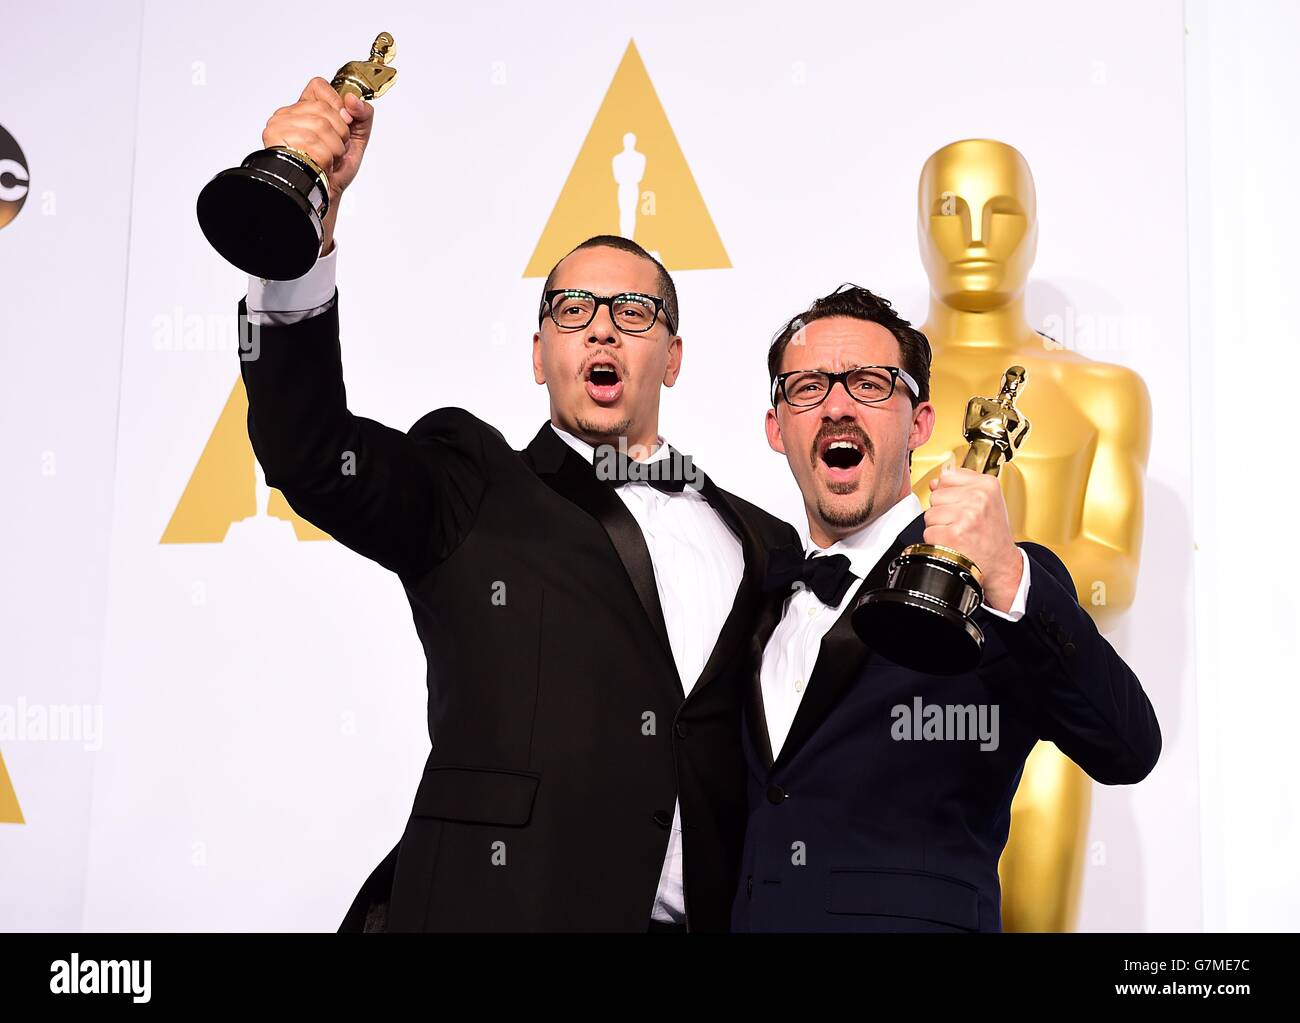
842, 653
731, 642
572, 477
755, 715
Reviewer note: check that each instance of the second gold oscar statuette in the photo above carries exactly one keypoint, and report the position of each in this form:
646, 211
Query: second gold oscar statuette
921, 617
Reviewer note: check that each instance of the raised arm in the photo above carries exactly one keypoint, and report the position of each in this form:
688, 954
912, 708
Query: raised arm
404, 500
1052, 662
1073, 683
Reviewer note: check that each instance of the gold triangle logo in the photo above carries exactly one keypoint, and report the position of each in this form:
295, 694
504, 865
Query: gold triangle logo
631, 179
224, 487
10, 811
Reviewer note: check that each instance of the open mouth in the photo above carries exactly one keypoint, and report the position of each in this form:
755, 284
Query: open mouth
604, 381
841, 454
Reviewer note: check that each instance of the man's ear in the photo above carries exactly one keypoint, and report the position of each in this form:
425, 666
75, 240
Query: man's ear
539, 374
674, 362
773, 427
922, 426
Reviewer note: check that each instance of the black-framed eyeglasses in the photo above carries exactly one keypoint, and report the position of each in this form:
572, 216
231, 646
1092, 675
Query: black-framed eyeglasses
631, 312
868, 385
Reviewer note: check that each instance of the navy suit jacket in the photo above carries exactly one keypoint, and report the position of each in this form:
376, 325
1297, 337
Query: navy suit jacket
862, 824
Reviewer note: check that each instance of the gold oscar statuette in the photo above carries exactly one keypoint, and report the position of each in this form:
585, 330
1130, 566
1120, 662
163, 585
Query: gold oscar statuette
921, 617
266, 215
1081, 493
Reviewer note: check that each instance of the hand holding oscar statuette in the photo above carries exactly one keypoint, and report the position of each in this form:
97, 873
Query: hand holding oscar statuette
921, 617
266, 216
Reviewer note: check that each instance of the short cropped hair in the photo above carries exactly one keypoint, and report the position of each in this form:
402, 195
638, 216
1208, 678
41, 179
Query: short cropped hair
613, 241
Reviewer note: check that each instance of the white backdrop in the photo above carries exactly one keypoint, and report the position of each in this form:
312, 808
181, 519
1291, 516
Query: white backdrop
1242, 86
262, 698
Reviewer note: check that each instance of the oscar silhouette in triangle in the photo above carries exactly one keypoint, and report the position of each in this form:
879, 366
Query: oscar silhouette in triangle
10, 811
631, 179
223, 487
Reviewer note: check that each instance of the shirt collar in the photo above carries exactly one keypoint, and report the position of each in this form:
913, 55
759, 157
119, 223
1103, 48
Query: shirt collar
588, 451
868, 545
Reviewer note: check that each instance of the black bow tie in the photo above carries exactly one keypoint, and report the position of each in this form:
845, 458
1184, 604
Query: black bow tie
828, 576
669, 475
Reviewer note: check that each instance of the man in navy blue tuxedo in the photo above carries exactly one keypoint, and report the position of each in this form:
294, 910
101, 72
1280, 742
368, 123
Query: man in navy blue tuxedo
879, 798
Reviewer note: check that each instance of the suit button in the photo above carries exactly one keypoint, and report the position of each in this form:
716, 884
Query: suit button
1068, 649
682, 730
775, 795
664, 820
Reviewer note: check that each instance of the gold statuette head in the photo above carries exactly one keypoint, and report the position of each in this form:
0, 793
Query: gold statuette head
977, 224
369, 79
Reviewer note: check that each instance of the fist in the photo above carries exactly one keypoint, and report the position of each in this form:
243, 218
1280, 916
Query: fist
969, 514
332, 129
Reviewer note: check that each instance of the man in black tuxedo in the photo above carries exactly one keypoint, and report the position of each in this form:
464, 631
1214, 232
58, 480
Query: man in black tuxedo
584, 615
880, 797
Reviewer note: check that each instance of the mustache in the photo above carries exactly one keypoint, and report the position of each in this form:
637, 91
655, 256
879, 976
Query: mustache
842, 431
603, 357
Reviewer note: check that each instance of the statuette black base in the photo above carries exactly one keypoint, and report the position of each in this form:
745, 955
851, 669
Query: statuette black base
921, 617
265, 216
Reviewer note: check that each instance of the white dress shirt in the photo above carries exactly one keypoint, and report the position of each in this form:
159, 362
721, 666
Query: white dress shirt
791, 653
283, 302
698, 561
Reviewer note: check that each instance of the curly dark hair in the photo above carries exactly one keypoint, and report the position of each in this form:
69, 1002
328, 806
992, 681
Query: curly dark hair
860, 304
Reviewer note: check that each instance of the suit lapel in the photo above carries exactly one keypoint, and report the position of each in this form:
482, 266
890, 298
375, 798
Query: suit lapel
772, 606
573, 477
731, 638
842, 653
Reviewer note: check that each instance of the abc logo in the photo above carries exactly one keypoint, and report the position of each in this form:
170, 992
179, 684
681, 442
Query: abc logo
14, 182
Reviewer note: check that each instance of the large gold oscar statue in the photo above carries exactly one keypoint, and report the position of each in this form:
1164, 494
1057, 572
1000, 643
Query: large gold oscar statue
1077, 489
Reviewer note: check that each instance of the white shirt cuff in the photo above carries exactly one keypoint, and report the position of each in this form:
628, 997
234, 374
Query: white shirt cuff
1022, 595
283, 302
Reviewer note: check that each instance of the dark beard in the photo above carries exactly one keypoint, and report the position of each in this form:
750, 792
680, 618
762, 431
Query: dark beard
848, 518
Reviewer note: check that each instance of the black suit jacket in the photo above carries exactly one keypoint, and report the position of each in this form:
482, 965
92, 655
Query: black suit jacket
852, 828
560, 735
